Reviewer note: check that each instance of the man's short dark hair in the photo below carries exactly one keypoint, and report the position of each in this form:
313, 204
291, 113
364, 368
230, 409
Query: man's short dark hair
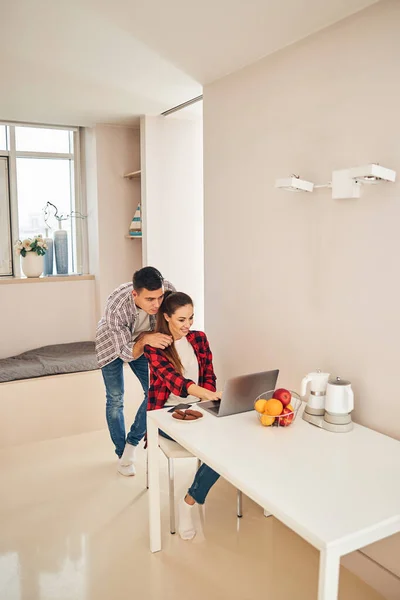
149, 278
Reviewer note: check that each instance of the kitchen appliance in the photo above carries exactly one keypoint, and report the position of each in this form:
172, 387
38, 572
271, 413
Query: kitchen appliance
339, 403
329, 402
317, 382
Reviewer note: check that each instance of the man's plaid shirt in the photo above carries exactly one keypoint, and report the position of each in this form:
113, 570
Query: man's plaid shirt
165, 380
115, 331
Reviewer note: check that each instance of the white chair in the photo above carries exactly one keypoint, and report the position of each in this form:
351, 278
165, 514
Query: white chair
172, 450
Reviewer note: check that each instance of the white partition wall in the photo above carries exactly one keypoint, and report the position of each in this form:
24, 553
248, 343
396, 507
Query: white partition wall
172, 202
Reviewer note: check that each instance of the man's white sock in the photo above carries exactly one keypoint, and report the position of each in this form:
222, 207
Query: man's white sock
129, 455
186, 527
127, 470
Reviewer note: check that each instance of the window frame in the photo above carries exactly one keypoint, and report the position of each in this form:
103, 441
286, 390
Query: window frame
6, 219
79, 229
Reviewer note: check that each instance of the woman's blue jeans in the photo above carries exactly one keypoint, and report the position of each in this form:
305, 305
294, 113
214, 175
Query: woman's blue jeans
203, 481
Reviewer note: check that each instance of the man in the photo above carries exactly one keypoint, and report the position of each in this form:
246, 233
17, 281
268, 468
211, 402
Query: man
122, 333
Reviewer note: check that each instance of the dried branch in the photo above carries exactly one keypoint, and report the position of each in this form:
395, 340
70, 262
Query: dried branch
60, 217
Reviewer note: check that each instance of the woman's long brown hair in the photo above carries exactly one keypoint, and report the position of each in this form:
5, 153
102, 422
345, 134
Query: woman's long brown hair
172, 301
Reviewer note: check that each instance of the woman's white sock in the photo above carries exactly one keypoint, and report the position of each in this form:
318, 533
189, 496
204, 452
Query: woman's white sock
186, 527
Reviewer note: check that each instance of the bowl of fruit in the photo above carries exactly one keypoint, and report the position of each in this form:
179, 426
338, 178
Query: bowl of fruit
277, 408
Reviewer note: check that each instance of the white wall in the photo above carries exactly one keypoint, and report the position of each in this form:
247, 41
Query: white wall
172, 180
316, 279
39, 314
299, 281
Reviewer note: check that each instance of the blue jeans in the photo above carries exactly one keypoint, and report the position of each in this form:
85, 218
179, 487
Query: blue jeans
203, 480
113, 376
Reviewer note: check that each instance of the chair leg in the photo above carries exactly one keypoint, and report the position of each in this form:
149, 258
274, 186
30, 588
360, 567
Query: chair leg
239, 504
171, 495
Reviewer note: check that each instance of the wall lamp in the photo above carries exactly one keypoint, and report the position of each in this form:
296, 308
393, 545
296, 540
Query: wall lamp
346, 183
294, 184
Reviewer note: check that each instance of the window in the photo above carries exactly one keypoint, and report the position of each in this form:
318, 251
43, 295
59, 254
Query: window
3, 138
43, 167
34, 139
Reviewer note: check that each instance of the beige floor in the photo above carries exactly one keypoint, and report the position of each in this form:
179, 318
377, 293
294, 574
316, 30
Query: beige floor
72, 529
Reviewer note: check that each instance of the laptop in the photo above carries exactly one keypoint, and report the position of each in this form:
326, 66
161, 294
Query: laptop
240, 393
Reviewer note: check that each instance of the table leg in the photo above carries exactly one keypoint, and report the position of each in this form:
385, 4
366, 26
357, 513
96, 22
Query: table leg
328, 584
154, 486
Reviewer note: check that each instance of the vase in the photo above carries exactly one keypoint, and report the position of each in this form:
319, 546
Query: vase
61, 251
32, 264
48, 257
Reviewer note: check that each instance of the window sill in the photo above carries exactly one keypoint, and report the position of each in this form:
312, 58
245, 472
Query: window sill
49, 279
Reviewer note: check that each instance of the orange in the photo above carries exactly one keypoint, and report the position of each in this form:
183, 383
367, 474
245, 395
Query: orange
273, 407
266, 420
260, 405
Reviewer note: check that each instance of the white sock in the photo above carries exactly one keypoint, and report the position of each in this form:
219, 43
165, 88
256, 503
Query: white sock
127, 470
128, 456
186, 527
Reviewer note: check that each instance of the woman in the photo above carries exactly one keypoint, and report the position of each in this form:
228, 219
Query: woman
183, 370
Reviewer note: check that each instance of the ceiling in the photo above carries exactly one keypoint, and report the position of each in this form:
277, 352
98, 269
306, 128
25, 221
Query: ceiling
88, 61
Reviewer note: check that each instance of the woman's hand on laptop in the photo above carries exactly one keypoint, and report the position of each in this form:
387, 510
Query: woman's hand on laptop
202, 393
208, 395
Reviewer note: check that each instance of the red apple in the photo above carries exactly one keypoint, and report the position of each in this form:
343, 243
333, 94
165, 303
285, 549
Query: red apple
283, 395
284, 421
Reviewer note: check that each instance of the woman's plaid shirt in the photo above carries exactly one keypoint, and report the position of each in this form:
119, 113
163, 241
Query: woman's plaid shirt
165, 380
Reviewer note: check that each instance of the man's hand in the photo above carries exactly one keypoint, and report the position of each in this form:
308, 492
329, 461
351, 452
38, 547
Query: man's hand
157, 340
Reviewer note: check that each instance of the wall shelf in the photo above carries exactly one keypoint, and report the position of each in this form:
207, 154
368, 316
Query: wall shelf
133, 175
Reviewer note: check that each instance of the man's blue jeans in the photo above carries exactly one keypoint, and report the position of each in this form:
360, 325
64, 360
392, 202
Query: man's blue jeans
113, 376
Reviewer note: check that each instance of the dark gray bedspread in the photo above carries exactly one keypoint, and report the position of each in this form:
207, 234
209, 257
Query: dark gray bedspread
49, 360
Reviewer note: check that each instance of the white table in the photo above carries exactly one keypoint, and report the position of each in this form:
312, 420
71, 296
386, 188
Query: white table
339, 492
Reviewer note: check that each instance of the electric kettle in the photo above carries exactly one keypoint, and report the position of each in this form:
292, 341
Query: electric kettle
339, 398
317, 382
329, 403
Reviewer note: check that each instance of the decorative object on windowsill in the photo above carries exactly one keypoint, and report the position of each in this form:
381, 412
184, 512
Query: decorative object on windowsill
61, 249
32, 251
60, 236
49, 256
135, 229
